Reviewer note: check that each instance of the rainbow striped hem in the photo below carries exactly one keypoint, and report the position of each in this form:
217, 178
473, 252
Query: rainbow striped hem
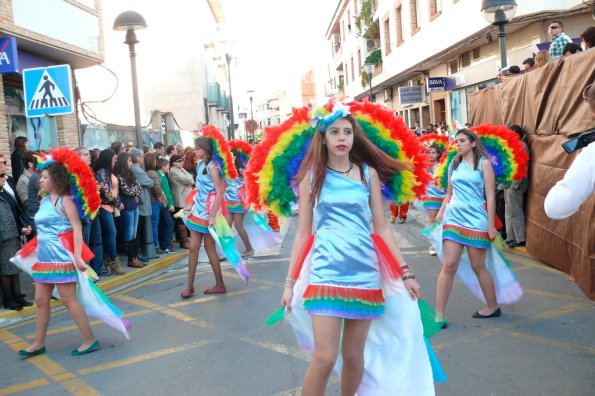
54, 272
344, 302
466, 236
432, 203
235, 207
197, 224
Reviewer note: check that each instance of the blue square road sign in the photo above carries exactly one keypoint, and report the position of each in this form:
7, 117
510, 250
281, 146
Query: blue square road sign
48, 91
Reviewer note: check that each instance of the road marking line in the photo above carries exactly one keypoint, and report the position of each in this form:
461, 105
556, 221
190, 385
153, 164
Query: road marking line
564, 310
297, 391
472, 337
23, 387
561, 296
552, 342
168, 311
49, 367
279, 348
215, 297
66, 329
145, 357
532, 263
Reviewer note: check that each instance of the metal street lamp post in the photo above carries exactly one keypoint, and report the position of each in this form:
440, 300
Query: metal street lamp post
369, 69
251, 113
499, 13
231, 131
131, 21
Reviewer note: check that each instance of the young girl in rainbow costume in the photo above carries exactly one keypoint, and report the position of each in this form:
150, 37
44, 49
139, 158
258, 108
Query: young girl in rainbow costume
234, 193
215, 164
345, 284
436, 144
468, 211
56, 257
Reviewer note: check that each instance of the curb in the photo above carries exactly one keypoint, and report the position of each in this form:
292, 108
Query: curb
106, 284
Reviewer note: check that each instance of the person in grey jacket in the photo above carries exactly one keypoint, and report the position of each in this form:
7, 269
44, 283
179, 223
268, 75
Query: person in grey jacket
144, 206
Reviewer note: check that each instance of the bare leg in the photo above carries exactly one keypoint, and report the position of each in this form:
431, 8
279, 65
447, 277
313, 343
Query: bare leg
327, 333
355, 333
478, 264
68, 297
238, 220
195, 241
43, 294
432, 216
211, 250
452, 255
229, 218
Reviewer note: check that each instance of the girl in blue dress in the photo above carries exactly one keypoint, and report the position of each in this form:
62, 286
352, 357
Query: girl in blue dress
434, 195
340, 199
57, 266
234, 201
206, 205
468, 221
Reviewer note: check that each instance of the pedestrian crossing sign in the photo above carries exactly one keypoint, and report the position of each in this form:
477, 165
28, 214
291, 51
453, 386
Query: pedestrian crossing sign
48, 91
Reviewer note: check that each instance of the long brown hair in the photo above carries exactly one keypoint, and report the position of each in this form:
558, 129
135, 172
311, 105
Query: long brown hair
478, 151
189, 161
205, 143
362, 152
150, 161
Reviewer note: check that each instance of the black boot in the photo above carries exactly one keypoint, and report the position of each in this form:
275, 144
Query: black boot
130, 251
16, 291
8, 296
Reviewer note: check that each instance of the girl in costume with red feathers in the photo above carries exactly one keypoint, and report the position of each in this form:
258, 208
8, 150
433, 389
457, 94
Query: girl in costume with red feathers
203, 213
467, 223
340, 197
57, 266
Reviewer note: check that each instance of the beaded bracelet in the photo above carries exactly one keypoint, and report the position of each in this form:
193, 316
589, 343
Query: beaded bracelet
405, 267
408, 276
289, 280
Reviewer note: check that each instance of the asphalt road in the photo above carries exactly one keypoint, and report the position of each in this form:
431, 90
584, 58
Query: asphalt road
218, 345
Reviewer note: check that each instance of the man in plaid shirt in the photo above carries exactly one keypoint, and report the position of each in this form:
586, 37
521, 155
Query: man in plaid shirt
559, 39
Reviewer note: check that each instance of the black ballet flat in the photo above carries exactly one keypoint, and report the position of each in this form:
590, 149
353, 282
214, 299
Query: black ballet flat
494, 314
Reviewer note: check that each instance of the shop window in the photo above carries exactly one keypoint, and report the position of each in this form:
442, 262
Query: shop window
41, 132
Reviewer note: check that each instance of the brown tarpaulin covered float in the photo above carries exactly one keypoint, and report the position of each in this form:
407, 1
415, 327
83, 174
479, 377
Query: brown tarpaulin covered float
548, 103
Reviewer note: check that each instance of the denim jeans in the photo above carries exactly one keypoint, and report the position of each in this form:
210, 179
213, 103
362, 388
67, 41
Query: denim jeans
130, 223
166, 229
156, 210
96, 245
108, 233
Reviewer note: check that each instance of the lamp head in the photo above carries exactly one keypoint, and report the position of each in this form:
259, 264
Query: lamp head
130, 20
498, 12
369, 68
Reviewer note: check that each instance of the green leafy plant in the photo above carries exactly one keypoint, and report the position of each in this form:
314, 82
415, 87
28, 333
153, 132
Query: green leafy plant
374, 58
365, 19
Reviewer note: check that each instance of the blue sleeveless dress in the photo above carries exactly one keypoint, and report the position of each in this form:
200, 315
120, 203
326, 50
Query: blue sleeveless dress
55, 263
198, 220
233, 197
345, 278
466, 219
434, 195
